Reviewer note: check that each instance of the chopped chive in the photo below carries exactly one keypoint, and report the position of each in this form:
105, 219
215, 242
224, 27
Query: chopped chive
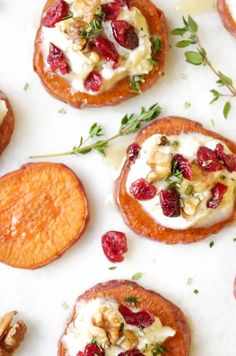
189, 189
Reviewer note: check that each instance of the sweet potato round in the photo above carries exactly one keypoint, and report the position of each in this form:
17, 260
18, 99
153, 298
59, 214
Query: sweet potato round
168, 313
44, 210
226, 17
7, 126
60, 88
133, 213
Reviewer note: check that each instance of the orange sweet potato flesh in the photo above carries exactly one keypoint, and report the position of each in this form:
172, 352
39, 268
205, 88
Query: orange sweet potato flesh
168, 313
7, 126
134, 215
44, 210
226, 17
58, 87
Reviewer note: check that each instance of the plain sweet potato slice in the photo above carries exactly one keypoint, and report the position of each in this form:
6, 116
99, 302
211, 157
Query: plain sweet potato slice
44, 210
7, 126
168, 313
60, 88
133, 213
226, 17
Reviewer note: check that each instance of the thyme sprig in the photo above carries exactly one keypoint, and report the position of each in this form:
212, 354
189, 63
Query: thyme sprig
199, 56
129, 125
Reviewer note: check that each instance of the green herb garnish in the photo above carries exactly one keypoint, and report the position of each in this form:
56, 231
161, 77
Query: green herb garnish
94, 29
189, 189
132, 299
137, 276
156, 44
199, 56
112, 268
26, 86
122, 325
135, 84
129, 125
234, 239
196, 291
158, 349
62, 111
190, 281
187, 105
212, 243
69, 16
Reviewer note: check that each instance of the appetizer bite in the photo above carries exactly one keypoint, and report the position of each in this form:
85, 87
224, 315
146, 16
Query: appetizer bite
100, 52
178, 182
44, 210
11, 334
227, 11
6, 122
121, 318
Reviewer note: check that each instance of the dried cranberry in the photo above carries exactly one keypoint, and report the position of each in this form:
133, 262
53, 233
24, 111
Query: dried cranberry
183, 165
111, 10
124, 2
125, 34
114, 244
93, 81
142, 190
57, 60
107, 50
218, 192
228, 160
133, 151
142, 319
132, 352
93, 350
80, 353
55, 13
207, 159
170, 202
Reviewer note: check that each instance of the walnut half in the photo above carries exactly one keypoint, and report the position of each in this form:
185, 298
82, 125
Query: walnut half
10, 335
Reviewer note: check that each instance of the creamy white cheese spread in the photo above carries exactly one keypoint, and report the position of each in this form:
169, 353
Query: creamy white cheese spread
188, 145
232, 8
134, 62
81, 331
3, 110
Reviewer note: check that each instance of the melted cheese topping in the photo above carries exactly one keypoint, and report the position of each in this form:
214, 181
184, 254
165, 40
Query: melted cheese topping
188, 146
232, 8
3, 110
81, 331
134, 62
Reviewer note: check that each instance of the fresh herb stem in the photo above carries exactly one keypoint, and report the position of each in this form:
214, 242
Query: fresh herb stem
200, 57
129, 124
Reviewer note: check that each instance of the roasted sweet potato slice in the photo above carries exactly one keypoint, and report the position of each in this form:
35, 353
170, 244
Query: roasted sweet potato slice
44, 210
226, 17
60, 88
132, 211
168, 313
7, 126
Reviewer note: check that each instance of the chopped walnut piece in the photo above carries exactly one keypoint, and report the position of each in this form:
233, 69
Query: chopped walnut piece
14, 336
160, 164
100, 335
5, 322
86, 9
202, 181
190, 206
110, 320
72, 29
130, 341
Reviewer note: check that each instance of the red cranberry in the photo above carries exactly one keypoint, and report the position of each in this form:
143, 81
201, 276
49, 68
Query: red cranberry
114, 244
125, 34
183, 165
229, 160
80, 353
218, 192
142, 319
93, 350
207, 160
132, 352
170, 202
142, 190
133, 151
57, 60
124, 2
93, 81
111, 10
107, 50
55, 13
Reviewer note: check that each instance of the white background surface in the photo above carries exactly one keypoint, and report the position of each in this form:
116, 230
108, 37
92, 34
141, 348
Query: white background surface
38, 295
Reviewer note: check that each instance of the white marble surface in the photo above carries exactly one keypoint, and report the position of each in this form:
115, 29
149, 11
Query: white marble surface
38, 295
